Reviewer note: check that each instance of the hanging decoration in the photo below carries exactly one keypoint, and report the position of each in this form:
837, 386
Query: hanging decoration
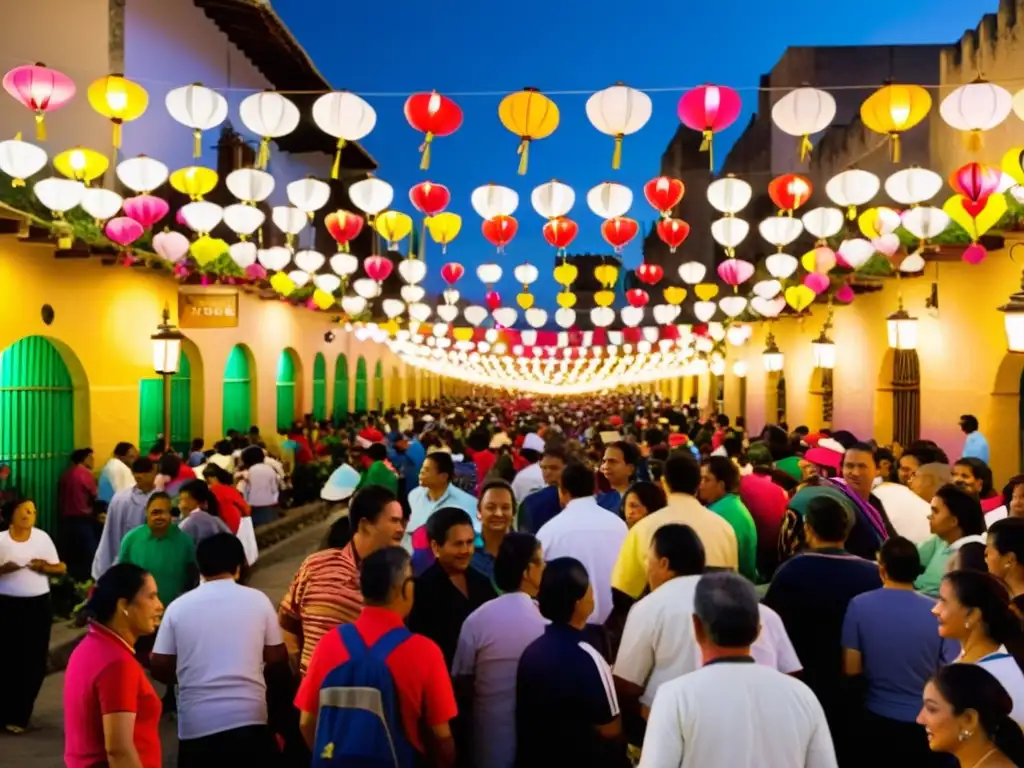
103, 204
530, 115
371, 196
663, 194
709, 109
309, 195
975, 108
499, 231
790, 192
147, 210
344, 226
729, 196
20, 159
429, 198
851, 189
433, 115
346, 117
194, 181
443, 228
118, 99
804, 112
672, 232
618, 232
393, 226
269, 115
199, 108
894, 109
40, 89
619, 111
81, 164
559, 233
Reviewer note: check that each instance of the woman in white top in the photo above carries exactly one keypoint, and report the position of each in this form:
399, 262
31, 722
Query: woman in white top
262, 486
974, 609
27, 558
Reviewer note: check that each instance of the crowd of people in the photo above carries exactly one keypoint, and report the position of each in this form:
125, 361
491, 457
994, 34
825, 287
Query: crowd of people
605, 581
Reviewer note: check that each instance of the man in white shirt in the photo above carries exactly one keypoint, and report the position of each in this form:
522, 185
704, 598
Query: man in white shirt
586, 531
733, 712
529, 479
214, 642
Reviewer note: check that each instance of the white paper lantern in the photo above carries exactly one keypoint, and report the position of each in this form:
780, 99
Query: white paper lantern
804, 112
780, 230
602, 317
299, 277
269, 115
1018, 193
768, 289
856, 252
976, 107
353, 305
344, 116
619, 111
925, 222
451, 296
327, 283
101, 204
729, 231
20, 159
488, 274
201, 216
447, 312
781, 265
609, 200
197, 107
536, 317
367, 288
768, 307
505, 316
371, 195
475, 314
250, 185
692, 272
392, 308
565, 317
412, 294
1006, 183
632, 316
528, 337
912, 264
737, 335
553, 199
492, 200
142, 174
289, 220
823, 223
308, 260
243, 254
729, 195
308, 195
886, 220
732, 306
704, 310
852, 188
526, 274
665, 314
344, 264
420, 312
412, 270
275, 258
243, 219
912, 186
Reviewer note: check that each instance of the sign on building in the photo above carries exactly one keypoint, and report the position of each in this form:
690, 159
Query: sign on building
207, 307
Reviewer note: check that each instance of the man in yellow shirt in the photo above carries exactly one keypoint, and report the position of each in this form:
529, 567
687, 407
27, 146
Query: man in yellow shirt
680, 480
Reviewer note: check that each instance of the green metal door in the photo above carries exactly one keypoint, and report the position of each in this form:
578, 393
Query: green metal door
340, 388
285, 391
361, 397
237, 394
37, 422
319, 387
151, 409
378, 386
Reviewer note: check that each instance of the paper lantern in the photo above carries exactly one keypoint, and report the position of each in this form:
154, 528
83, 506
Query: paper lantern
505, 316
565, 317
553, 199
39, 89
20, 159
610, 200
530, 115
729, 232
666, 314
820, 260
619, 231
250, 185
412, 270
171, 246
492, 200
925, 222
145, 209
768, 307
804, 112
977, 183
429, 198
704, 310
378, 268
672, 232
526, 274
692, 272
499, 231
735, 271
709, 109
780, 231
443, 228
243, 220
194, 181
619, 111
393, 226
674, 295
799, 297
269, 115
123, 231
729, 195
781, 265
489, 274
823, 223
536, 318
118, 99
309, 260
199, 108
59, 195
974, 108
649, 273
289, 220
474, 314
894, 109
602, 317
367, 288
560, 232
637, 297
344, 264
275, 258
344, 226
852, 188
434, 115
201, 217
419, 312
371, 195
732, 306
101, 204
817, 282
309, 195
353, 305
790, 191
767, 289
142, 174
81, 164
344, 116
452, 272
913, 186
664, 193
327, 283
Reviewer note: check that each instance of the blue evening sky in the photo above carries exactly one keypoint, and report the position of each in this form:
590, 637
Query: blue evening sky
458, 46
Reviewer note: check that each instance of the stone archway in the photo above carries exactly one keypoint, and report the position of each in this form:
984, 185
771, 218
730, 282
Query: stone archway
1003, 424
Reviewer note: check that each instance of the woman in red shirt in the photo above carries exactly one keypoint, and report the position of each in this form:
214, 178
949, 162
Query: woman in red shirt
111, 712
232, 506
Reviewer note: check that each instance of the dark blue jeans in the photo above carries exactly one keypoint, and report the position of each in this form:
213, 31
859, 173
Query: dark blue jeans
264, 515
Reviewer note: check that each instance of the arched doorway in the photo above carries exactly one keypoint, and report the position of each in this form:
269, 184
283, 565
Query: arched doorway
37, 410
319, 387
287, 397
361, 394
378, 386
238, 390
151, 408
1003, 423
340, 406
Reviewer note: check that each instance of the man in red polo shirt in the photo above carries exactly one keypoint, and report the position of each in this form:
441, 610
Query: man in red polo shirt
424, 688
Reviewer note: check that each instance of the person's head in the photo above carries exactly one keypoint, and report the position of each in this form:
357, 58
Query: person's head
619, 463
158, 512
681, 474
126, 452
216, 475
973, 475
726, 616
968, 423
252, 455
721, 421
519, 566
969, 557
926, 479
552, 463
640, 500
759, 455
125, 600
827, 522
437, 471
196, 445
496, 506
376, 518
566, 596
1013, 496
898, 561
859, 468
196, 494
220, 556
576, 482
917, 454
1004, 554
83, 457
385, 579
965, 706
955, 513
676, 550
224, 448
18, 513
169, 465
719, 476
144, 472
975, 604
451, 536
885, 464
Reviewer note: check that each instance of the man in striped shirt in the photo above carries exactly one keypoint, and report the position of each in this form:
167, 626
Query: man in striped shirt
326, 592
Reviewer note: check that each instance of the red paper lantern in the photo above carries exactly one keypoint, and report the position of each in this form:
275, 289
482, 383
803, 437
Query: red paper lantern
709, 109
344, 226
378, 268
434, 115
790, 191
429, 198
637, 297
499, 231
40, 89
649, 273
493, 300
673, 232
452, 272
664, 194
619, 231
560, 232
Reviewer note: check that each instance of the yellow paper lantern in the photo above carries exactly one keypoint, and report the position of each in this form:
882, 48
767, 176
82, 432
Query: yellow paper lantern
1013, 164
893, 109
566, 300
606, 275
322, 299
206, 249
463, 333
390, 327
706, 291
604, 298
283, 284
566, 274
394, 226
194, 181
443, 228
530, 115
976, 226
81, 164
118, 99
525, 300
674, 295
799, 297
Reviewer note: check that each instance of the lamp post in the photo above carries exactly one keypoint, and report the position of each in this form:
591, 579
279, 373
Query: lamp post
902, 327
166, 357
824, 348
772, 355
1013, 317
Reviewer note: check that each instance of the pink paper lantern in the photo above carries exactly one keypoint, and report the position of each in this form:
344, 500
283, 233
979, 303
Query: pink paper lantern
844, 294
123, 231
709, 109
40, 89
975, 253
816, 281
171, 246
146, 209
735, 271
378, 268
256, 272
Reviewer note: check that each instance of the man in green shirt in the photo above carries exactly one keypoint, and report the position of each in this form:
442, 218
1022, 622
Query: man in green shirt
719, 483
163, 549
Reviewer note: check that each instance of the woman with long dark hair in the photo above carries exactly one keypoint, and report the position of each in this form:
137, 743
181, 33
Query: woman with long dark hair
641, 499
200, 511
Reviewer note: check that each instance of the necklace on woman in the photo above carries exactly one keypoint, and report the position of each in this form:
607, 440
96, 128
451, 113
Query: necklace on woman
985, 757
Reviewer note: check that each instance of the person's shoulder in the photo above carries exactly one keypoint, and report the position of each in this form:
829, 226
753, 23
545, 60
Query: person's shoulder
424, 651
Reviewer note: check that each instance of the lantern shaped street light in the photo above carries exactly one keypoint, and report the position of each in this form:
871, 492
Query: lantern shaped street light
1013, 318
902, 328
824, 348
772, 355
166, 358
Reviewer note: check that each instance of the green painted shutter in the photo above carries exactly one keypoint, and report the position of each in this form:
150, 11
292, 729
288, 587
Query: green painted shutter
151, 409
340, 388
237, 397
361, 396
319, 387
285, 392
378, 386
37, 422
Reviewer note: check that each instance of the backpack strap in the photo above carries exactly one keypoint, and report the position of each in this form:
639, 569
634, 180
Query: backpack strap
353, 641
389, 641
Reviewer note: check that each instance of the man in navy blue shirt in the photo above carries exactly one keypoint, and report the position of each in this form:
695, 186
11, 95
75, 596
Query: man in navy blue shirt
540, 506
566, 709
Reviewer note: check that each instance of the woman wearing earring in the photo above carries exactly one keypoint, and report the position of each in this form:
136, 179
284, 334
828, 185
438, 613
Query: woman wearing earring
1004, 557
966, 713
111, 712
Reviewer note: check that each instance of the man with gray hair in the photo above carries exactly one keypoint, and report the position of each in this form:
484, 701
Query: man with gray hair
928, 478
733, 712
910, 505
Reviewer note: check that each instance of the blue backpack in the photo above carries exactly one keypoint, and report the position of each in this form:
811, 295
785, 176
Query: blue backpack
360, 721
